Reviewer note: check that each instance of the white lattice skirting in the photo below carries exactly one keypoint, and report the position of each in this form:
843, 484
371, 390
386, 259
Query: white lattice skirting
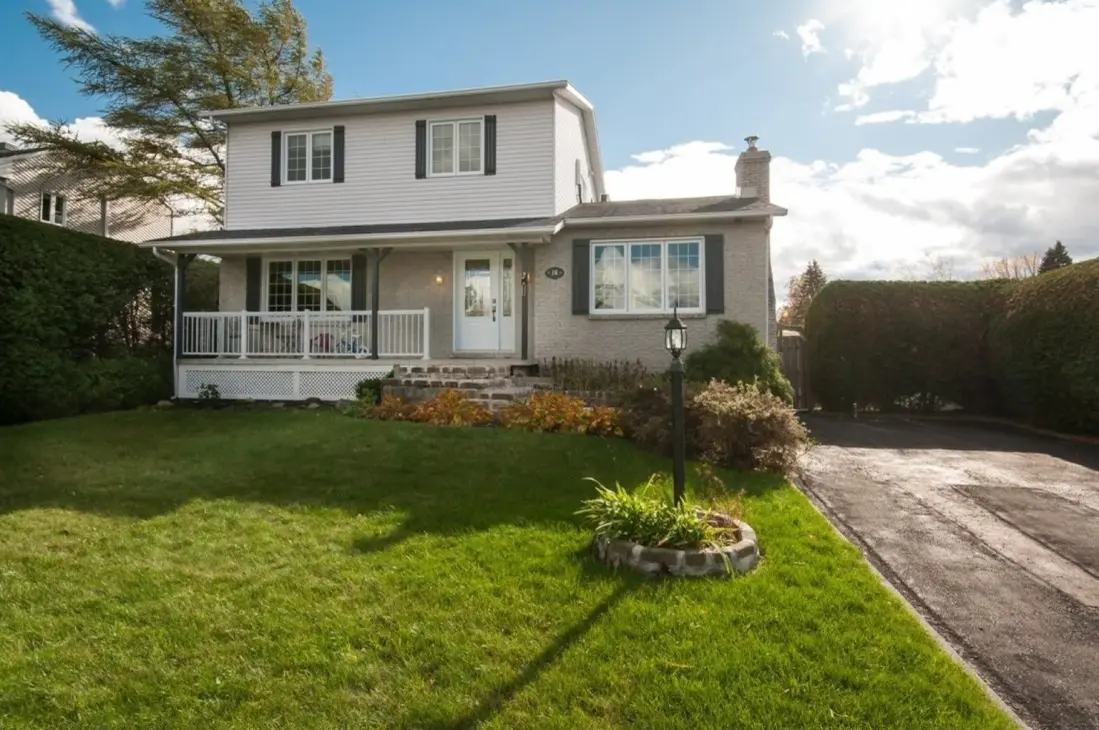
278, 382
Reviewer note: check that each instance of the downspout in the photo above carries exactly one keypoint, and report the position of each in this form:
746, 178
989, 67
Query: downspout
175, 303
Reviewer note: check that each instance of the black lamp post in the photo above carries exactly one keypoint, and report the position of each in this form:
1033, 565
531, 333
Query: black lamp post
675, 341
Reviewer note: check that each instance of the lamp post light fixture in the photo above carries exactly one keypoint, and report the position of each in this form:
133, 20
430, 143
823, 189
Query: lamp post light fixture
675, 342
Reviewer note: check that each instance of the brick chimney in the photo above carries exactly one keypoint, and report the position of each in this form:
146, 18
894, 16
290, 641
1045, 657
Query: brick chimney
753, 172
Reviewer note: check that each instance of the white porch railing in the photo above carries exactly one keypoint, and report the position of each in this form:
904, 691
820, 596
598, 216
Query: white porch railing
401, 333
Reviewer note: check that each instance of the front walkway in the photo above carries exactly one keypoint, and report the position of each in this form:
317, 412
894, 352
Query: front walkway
993, 535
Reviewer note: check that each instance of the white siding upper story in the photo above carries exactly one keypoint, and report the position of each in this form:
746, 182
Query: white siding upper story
380, 184
571, 161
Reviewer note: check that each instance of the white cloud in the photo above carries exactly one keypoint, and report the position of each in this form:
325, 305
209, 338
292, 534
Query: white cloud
116, 4
985, 58
13, 108
884, 117
967, 150
883, 216
809, 33
781, 34
65, 12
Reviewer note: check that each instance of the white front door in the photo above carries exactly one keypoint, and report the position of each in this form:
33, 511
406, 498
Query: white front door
484, 301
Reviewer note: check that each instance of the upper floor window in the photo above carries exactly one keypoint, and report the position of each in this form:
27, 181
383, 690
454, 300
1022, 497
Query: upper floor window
319, 285
457, 147
308, 156
53, 208
636, 277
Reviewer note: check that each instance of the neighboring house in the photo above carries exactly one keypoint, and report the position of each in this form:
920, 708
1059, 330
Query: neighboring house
464, 224
29, 188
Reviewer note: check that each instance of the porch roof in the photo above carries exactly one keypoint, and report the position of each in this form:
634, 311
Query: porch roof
433, 233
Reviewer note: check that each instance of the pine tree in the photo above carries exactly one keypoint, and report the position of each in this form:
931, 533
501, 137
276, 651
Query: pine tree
800, 293
1056, 257
214, 54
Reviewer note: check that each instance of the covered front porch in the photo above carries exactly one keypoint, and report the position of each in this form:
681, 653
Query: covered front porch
300, 321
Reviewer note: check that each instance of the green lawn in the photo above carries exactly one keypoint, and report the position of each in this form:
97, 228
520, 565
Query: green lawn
300, 569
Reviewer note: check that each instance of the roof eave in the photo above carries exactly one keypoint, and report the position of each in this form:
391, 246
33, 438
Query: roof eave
356, 240
611, 220
383, 103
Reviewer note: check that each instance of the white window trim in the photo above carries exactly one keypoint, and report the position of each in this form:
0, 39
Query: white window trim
664, 308
480, 121
294, 278
53, 208
308, 155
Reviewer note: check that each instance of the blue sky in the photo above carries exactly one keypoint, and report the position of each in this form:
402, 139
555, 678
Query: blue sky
937, 176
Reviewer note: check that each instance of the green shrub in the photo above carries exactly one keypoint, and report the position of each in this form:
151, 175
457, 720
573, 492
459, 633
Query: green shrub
71, 305
645, 417
1045, 348
557, 412
124, 382
738, 355
369, 391
636, 517
741, 427
893, 345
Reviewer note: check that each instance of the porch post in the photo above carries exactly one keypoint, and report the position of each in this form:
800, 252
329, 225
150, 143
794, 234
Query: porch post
522, 253
375, 297
182, 260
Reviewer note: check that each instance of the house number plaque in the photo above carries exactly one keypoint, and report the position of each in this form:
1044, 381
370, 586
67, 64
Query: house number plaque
554, 272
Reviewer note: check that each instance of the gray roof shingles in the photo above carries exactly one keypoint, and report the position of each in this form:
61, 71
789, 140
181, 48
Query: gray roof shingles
583, 211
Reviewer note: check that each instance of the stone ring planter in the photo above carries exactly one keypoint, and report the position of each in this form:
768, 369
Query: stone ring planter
740, 556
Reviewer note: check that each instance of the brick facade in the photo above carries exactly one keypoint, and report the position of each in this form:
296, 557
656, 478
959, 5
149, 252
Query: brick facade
556, 331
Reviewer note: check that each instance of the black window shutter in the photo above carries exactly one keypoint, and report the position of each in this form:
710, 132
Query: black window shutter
715, 274
253, 287
421, 149
276, 159
490, 144
358, 282
581, 275
337, 153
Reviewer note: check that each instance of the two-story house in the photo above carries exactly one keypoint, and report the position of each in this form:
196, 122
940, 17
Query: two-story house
468, 224
30, 188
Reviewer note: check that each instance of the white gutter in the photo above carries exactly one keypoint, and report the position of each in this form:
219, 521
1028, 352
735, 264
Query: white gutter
351, 239
672, 217
162, 256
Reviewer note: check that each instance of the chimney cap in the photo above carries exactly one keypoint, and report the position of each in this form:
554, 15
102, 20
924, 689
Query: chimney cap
751, 140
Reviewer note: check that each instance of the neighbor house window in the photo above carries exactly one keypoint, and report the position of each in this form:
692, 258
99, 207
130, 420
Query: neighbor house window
308, 156
53, 208
456, 148
318, 285
638, 277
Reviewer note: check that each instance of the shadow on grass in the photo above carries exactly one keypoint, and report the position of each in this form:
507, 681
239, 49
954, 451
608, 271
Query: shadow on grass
143, 464
500, 696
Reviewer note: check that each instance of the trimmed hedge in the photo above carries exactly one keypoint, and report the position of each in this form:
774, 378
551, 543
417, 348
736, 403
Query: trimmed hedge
85, 321
1045, 348
1027, 349
895, 345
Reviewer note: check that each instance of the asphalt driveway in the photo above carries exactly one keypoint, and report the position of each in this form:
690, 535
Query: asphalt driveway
993, 534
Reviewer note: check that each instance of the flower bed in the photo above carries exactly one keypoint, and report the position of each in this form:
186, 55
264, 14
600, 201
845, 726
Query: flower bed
740, 556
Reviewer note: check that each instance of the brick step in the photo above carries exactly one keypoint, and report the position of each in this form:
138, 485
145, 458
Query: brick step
425, 381
455, 372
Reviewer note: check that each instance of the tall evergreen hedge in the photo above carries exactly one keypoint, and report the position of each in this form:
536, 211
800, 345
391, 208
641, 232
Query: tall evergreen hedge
85, 321
1027, 349
1045, 348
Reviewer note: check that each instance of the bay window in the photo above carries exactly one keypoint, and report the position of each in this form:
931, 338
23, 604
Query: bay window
318, 285
646, 276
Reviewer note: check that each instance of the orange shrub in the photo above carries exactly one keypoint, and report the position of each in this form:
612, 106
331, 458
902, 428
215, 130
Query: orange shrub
390, 408
552, 411
451, 408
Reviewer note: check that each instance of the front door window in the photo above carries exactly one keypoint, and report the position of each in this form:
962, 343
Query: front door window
484, 302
